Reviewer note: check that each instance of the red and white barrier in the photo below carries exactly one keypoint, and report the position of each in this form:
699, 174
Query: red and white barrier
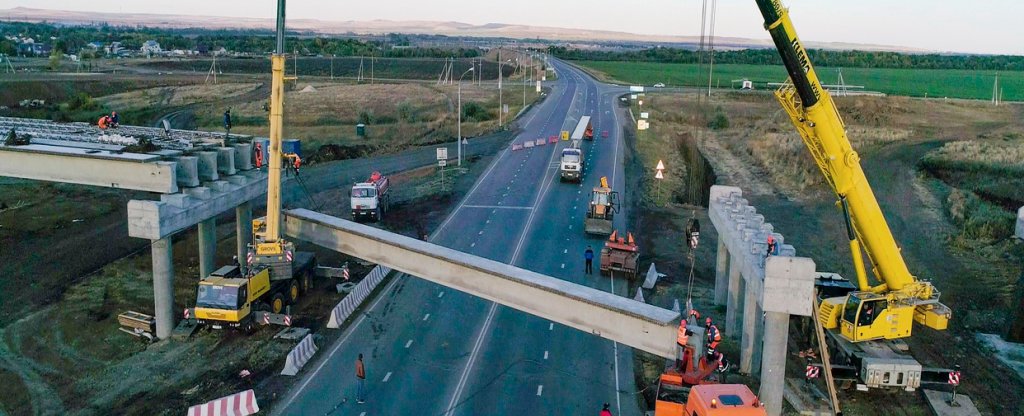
238, 404
812, 371
517, 147
528, 144
552, 139
540, 142
348, 305
954, 378
299, 356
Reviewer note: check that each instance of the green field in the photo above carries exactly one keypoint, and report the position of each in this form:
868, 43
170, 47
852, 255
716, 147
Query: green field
915, 83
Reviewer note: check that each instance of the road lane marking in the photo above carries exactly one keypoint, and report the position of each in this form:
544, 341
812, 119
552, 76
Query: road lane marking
474, 244
440, 295
551, 326
362, 414
425, 317
545, 355
495, 207
386, 377
565, 251
481, 232
563, 265
407, 344
540, 389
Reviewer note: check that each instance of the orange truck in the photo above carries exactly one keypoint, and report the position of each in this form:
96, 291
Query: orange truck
677, 399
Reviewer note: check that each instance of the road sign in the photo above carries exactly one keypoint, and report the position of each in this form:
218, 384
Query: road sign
538, 86
442, 153
565, 135
661, 166
641, 102
645, 115
442, 163
504, 108
659, 175
636, 88
632, 97
642, 124
465, 141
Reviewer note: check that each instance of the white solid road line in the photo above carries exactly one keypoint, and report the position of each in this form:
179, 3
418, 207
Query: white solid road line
497, 207
386, 377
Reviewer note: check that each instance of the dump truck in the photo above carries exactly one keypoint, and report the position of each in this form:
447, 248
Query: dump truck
620, 255
604, 203
572, 163
370, 199
227, 298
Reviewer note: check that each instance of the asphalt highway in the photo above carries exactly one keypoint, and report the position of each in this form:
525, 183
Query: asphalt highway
430, 350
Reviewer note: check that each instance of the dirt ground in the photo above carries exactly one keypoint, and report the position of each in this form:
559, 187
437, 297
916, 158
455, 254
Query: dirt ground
761, 153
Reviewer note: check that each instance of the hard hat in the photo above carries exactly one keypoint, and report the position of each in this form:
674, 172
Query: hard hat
708, 321
771, 239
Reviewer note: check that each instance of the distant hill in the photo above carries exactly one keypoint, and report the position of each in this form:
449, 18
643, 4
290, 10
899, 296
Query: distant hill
409, 27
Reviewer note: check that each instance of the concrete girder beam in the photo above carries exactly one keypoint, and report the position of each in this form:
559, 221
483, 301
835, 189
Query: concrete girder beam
226, 160
188, 171
89, 167
154, 220
207, 165
604, 314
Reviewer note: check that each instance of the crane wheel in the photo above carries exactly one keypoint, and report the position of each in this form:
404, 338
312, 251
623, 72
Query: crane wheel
306, 283
293, 291
277, 303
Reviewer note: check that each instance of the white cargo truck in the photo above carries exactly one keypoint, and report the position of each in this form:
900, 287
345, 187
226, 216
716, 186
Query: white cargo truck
572, 164
370, 199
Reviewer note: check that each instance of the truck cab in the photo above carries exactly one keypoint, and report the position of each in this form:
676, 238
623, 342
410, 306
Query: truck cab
369, 200
227, 299
676, 399
572, 164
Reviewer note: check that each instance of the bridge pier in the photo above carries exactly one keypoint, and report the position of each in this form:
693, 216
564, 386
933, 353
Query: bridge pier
722, 274
207, 247
163, 285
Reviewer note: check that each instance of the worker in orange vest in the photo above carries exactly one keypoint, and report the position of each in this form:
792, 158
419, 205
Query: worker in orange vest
103, 122
714, 336
771, 246
682, 339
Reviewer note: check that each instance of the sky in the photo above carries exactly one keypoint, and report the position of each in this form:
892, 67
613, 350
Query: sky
985, 26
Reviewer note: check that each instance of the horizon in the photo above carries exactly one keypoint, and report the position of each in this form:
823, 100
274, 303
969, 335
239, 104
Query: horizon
813, 22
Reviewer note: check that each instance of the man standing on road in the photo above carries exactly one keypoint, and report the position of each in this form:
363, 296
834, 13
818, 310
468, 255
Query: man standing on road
605, 411
360, 380
589, 257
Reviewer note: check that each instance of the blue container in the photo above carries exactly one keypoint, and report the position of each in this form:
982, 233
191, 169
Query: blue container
291, 146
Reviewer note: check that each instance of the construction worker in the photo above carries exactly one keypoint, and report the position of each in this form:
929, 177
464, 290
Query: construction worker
605, 411
693, 232
682, 339
588, 256
714, 336
360, 380
115, 120
227, 121
103, 122
771, 246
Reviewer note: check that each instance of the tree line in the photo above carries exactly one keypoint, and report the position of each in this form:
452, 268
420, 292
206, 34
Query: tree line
72, 39
820, 57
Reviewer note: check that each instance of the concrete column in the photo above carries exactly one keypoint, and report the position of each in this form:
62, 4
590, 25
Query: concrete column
243, 231
750, 351
773, 367
722, 273
163, 286
734, 302
207, 247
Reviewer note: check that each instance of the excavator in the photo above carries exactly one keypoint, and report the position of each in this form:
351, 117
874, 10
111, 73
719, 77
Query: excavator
864, 321
603, 204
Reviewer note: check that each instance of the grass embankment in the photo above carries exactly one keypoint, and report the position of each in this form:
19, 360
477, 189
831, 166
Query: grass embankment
343, 67
932, 83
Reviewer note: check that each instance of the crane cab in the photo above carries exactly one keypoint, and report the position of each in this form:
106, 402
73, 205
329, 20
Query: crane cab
867, 316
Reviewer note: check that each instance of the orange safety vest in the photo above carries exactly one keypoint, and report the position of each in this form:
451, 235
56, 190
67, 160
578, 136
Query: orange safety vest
681, 337
102, 122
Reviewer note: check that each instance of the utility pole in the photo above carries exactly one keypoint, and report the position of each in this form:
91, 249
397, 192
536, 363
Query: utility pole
711, 45
332, 67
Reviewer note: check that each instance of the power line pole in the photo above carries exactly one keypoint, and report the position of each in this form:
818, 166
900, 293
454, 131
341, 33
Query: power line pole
711, 44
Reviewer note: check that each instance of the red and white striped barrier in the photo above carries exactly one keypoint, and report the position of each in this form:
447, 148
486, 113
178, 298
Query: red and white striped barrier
517, 147
552, 139
188, 313
540, 142
348, 305
238, 404
812, 371
954, 378
299, 356
528, 144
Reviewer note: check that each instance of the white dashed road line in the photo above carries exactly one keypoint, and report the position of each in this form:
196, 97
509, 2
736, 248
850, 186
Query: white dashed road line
386, 377
540, 389
407, 344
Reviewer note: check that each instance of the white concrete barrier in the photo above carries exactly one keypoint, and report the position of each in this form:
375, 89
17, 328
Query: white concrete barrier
1020, 223
639, 295
350, 303
652, 277
299, 356
238, 404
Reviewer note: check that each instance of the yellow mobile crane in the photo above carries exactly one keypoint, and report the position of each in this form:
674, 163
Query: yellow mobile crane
866, 313
277, 274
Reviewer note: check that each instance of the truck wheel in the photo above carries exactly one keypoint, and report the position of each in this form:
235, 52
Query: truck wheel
306, 282
277, 303
293, 292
